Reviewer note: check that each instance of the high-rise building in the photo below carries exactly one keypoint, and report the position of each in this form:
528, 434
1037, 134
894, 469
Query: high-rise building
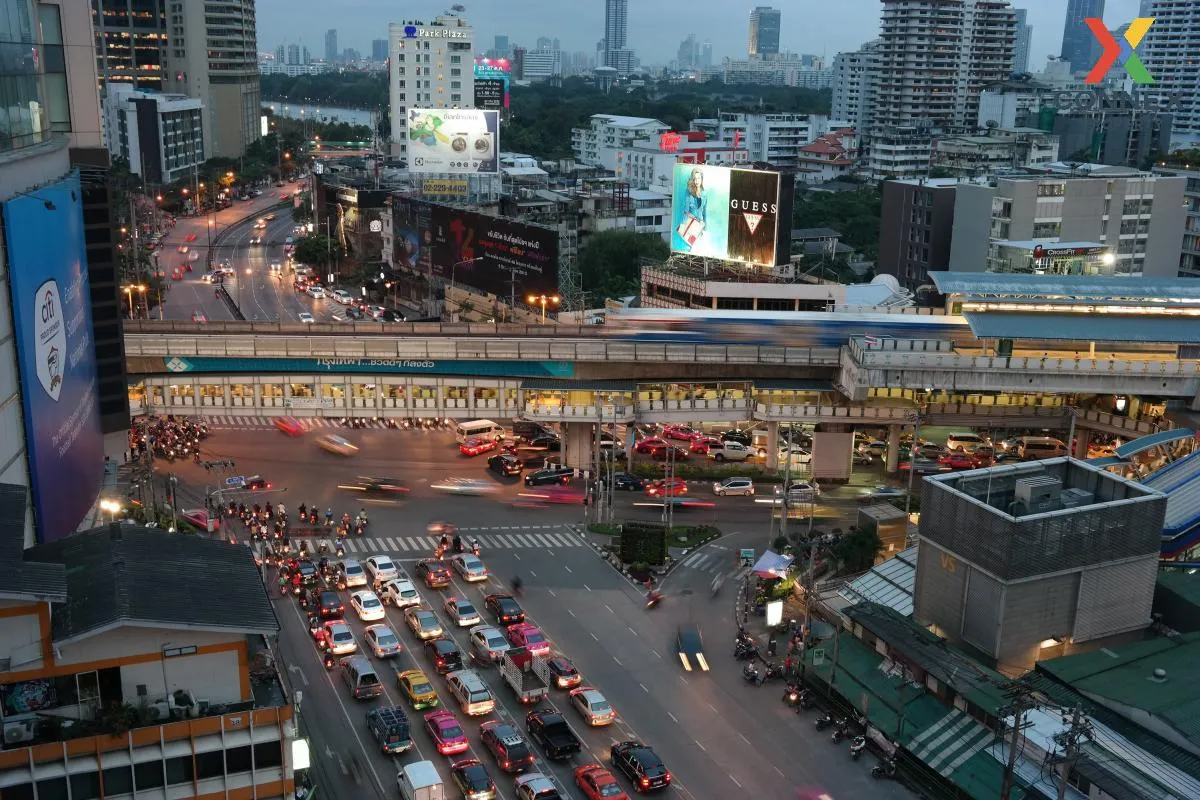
1079, 46
1189, 256
616, 34
350, 55
540, 65
293, 54
501, 46
281, 54
764, 31
415, 48
851, 86
130, 47
1169, 55
331, 48
689, 53
706, 56
1021, 46
544, 43
226, 79
379, 49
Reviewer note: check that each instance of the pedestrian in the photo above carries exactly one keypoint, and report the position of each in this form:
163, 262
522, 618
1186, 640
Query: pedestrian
788, 665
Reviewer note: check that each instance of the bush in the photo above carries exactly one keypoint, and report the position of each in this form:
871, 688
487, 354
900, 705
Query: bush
779, 544
604, 528
709, 471
643, 542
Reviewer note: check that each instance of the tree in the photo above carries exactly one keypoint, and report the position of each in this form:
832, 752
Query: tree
318, 250
854, 214
858, 549
610, 262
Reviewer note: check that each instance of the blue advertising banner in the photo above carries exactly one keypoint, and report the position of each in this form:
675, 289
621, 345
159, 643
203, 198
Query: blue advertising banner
52, 318
369, 366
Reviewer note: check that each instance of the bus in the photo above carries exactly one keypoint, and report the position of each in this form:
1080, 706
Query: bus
478, 429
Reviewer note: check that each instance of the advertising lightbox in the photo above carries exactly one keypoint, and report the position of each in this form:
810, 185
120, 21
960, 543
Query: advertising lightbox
494, 254
732, 214
52, 319
455, 141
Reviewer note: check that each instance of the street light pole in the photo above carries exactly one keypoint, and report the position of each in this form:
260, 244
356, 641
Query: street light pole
914, 418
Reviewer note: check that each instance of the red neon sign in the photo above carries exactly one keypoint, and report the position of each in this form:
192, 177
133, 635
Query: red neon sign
669, 142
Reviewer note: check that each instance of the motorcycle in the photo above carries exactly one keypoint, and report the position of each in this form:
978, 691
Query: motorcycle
774, 672
745, 653
806, 701
653, 599
824, 721
475, 547
884, 769
751, 674
857, 745
360, 529
340, 551
330, 661
323, 547
841, 732
792, 695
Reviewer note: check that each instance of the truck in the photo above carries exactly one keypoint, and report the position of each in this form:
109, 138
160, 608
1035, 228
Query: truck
420, 781
389, 726
528, 675
548, 728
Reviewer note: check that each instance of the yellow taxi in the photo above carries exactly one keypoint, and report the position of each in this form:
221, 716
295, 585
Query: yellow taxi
417, 689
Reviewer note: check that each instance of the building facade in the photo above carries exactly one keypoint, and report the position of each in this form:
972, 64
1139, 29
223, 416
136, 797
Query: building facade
916, 229
1079, 47
832, 156
649, 163
1189, 256
850, 82
764, 32
597, 145
540, 65
432, 66
998, 151
379, 50
616, 35
131, 42
777, 139
1021, 44
332, 53
160, 136
1169, 55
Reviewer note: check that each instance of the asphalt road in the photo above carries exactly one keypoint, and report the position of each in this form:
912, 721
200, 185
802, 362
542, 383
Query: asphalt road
719, 736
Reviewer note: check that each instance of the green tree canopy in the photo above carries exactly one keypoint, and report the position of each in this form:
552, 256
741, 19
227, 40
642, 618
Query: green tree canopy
610, 262
854, 214
318, 250
857, 549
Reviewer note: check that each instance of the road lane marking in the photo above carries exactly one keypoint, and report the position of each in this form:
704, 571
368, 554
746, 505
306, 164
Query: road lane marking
644, 689
631, 630
744, 739
568, 569
777, 769
735, 780
552, 594
595, 638
569, 611
606, 605
672, 716
655, 652
619, 664
587, 587
702, 747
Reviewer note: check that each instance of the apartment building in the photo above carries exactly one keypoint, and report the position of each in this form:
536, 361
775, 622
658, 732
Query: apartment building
998, 151
649, 163
432, 67
832, 156
851, 86
1189, 257
777, 139
131, 42
160, 136
903, 152
597, 145
1169, 53
916, 228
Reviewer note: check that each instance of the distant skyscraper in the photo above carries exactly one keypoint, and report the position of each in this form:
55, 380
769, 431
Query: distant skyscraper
616, 31
851, 101
1021, 48
1169, 55
1079, 46
502, 46
379, 49
764, 31
545, 43
1144, 10
689, 53
293, 54
706, 54
331, 48
279, 55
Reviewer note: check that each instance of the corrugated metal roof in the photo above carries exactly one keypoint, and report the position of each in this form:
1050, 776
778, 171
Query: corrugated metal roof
888, 584
1090, 286
1106, 461
1174, 474
1085, 327
1153, 440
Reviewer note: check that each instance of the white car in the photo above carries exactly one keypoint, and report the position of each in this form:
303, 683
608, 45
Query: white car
381, 569
466, 486
799, 454
469, 567
315, 290
734, 486
533, 785
341, 296
488, 643
801, 491
355, 576
592, 706
462, 612
304, 316
401, 593
729, 451
367, 606
382, 641
340, 638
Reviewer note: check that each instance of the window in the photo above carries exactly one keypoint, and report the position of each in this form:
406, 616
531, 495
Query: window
85, 786
117, 780
149, 775
210, 764
1051, 189
238, 759
1046, 230
180, 770
267, 754
52, 789
455, 98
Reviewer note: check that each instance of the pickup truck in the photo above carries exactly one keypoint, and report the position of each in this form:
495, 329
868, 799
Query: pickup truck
528, 675
548, 728
389, 726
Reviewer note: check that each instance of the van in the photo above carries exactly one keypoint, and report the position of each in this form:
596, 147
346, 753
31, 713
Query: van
420, 781
965, 441
528, 431
478, 429
471, 693
1031, 448
360, 678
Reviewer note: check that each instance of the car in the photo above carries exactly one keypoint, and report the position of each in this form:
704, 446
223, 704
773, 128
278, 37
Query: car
306, 317
339, 445
375, 312
445, 655
212, 277
729, 451
475, 446
666, 487
472, 487
690, 646
290, 425
551, 475
256, 239
376, 488
469, 567
353, 572
367, 605
548, 443
547, 727
624, 482
924, 466
505, 464
799, 455
597, 783
522, 634
592, 706
389, 726
269, 217
800, 491
199, 316
930, 450
744, 438
435, 574
352, 313
422, 622
648, 444
447, 734
341, 296
382, 641
536, 786
462, 612
472, 779
328, 605
401, 593
308, 572
563, 673
315, 291
861, 458
700, 445
472, 694
507, 746
882, 493
339, 638
256, 483
487, 643
276, 267
381, 569
959, 459
669, 452
736, 487
417, 688
680, 433
641, 765
557, 495
504, 608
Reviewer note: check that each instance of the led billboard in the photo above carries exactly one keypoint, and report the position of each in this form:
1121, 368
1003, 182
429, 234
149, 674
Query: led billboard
491, 82
732, 214
494, 254
52, 320
453, 140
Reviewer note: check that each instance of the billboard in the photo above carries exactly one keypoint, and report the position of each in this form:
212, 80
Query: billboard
52, 320
448, 186
491, 82
453, 140
493, 254
732, 214
412, 234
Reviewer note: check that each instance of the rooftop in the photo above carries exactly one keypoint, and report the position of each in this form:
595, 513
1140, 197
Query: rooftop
620, 121
1075, 287
814, 233
22, 580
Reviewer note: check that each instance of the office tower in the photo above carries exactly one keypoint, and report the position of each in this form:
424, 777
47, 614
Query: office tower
350, 55
293, 54
1021, 46
706, 57
280, 54
331, 48
501, 46
616, 33
379, 49
688, 56
1079, 46
544, 43
448, 41
764, 31
1146, 8
1169, 54
851, 86
129, 46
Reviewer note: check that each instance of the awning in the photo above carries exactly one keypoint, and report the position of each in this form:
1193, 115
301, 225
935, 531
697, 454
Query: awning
772, 565
556, 385
1084, 328
1153, 440
1106, 461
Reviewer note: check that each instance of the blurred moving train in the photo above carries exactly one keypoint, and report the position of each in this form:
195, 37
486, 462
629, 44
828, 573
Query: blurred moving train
783, 328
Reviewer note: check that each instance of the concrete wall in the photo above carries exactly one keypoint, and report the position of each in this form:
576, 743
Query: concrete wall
211, 676
130, 641
1167, 224
20, 638
1034, 611
971, 228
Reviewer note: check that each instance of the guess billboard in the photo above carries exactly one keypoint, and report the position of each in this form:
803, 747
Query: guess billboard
732, 214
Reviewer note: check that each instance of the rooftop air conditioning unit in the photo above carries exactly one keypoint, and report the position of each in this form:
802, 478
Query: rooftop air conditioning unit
1077, 498
1037, 491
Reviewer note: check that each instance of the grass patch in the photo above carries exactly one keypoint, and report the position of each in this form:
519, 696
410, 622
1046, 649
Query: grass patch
691, 535
604, 528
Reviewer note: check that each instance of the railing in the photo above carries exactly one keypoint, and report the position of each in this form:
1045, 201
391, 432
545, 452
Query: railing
588, 413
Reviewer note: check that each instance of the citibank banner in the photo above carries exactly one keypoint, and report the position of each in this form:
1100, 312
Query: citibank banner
369, 366
52, 318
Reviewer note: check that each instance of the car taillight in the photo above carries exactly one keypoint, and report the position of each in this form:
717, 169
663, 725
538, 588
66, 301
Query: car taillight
645, 781
667, 777
506, 763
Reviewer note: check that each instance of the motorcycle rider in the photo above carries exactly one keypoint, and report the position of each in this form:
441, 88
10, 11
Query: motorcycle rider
303, 509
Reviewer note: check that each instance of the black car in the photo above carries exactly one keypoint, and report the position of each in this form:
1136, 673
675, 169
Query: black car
563, 673
376, 487
308, 573
505, 464
550, 444
507, 746
328, 604
741, 437
504, 608
527, 431
690, 646
641, 765
472, 778
352, 312
625, 482
544, 477
257, 483
434, 573
445, 654
548, 728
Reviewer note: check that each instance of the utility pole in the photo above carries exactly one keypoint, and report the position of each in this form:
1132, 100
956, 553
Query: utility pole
787, 479
1080, 729
1020, 701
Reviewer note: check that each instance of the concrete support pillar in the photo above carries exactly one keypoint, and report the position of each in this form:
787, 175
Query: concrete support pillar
772, 446
832, 454
577, 444
893, 448
1083, 437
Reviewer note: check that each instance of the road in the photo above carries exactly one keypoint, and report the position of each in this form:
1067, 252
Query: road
719, 736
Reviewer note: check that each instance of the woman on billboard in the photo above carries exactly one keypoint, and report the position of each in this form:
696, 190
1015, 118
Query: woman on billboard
695, 209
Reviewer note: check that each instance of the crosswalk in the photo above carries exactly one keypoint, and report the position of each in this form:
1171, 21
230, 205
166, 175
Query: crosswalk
427, 544
713, 558
229, 422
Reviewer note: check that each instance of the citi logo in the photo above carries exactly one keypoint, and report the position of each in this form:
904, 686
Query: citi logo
1122, 51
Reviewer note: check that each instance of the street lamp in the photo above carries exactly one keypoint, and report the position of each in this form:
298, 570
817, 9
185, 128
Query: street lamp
129, 290
544, 300
913, 417
112, 507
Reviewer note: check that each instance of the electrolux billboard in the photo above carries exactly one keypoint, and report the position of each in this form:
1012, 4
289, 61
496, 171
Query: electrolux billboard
494, 254
52, 318
732, 214
453, 141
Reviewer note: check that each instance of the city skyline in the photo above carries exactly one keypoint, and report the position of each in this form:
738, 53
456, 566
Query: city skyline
820, 31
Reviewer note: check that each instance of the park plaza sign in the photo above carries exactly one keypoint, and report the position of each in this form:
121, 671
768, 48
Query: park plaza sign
414, 32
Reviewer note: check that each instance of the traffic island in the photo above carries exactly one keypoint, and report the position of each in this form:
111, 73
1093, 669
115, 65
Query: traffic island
641, 550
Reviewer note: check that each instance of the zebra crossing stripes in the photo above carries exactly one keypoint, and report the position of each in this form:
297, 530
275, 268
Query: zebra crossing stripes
268, 423
705, 561
427, 544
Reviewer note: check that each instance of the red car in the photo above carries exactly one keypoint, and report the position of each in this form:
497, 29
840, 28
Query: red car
558, 495
648, 444
446, 732
663, 487
522, 634
957, 460
701, 444
597, 783
669, 451
680, 433
474, 446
